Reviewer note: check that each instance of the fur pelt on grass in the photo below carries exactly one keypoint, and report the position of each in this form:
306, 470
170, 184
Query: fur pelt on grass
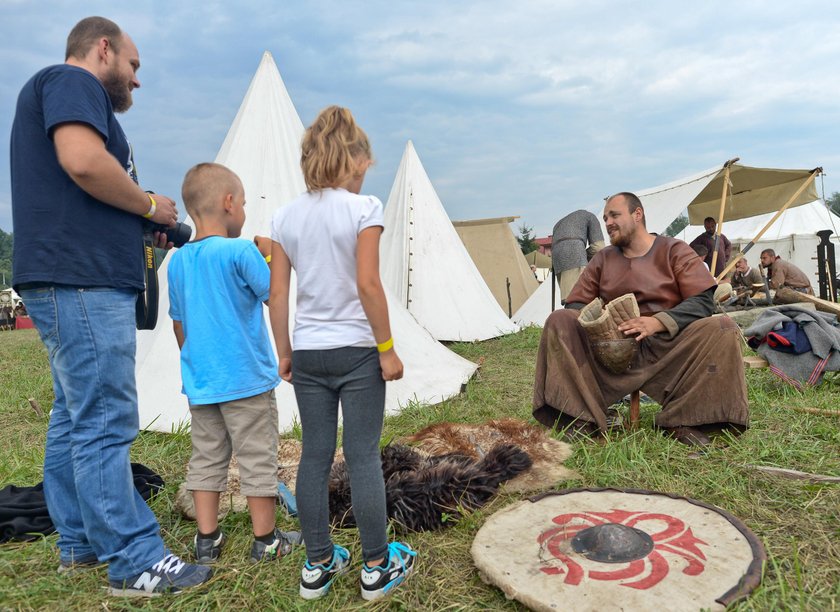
474, 440
425, 493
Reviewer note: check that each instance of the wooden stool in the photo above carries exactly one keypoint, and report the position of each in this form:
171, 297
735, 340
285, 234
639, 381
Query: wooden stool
634, 409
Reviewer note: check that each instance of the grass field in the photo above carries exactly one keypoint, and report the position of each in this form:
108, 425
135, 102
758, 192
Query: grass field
798, 522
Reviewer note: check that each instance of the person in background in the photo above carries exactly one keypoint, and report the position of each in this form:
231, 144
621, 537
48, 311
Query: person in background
574, 241
746, 280
707, 239
784, 278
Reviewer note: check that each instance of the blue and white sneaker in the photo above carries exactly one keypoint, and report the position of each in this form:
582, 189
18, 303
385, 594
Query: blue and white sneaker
380, 581
316, 580
169, 576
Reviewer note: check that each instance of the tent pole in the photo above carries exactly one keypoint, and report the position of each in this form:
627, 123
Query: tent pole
779, 212
718, 231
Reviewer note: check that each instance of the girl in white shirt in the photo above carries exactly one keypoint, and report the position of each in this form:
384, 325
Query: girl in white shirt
343, 349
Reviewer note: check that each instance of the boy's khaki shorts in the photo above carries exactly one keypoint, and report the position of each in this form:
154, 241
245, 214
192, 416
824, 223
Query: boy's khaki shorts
248, 428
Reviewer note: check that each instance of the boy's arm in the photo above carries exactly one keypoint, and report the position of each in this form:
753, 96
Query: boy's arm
372, 297
278, 309
179, 333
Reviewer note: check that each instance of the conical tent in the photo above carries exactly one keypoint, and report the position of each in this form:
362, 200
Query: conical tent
263, 148
537, 307
427, 267
496, 253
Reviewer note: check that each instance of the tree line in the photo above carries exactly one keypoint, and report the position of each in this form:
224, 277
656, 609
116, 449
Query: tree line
5, 260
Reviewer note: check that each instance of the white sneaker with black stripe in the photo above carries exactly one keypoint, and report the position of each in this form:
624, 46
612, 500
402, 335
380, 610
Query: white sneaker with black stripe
378, 582
170, 576
316, 580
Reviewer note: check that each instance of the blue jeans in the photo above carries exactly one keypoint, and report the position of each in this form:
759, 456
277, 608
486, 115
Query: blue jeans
321, 378
91, 340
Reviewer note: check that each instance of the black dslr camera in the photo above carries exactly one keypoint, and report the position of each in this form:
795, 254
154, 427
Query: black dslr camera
146, 307
178, 235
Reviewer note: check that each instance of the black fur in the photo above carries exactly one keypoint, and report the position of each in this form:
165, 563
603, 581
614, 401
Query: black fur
426, 493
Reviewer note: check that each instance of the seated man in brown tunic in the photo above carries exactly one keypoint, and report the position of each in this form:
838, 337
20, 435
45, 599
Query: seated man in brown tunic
687, 361
784, 278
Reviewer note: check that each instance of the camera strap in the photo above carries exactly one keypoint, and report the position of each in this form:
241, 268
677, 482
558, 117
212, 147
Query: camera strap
146, 307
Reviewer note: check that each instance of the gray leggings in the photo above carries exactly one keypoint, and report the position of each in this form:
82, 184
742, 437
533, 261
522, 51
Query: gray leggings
321, 378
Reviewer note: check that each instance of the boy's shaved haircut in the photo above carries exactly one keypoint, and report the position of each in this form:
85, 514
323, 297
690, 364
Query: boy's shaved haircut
205, 185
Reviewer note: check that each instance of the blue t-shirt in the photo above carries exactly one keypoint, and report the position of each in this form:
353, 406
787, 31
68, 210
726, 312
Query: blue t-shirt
216, 290
62, 234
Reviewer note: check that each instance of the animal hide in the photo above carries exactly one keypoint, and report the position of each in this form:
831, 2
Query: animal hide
458, 443
425, 493
471, 440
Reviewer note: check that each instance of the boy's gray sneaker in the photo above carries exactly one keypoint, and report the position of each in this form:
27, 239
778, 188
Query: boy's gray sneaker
280, 547
207, 550
170, 576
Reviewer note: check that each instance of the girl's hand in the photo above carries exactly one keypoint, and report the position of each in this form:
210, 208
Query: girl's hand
285, 369
392, 367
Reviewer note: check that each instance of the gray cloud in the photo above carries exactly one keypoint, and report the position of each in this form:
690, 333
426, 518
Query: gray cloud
530, 110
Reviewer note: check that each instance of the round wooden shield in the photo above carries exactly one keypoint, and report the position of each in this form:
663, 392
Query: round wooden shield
608, 549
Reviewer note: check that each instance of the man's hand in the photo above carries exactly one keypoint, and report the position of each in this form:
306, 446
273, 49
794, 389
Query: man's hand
643, 326
285, 369
166, 213
161, 242
392, 367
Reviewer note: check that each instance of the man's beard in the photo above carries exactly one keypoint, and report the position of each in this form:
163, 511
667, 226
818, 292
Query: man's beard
621, 240
119, 94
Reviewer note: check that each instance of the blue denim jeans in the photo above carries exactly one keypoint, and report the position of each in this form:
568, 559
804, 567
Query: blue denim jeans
91, 340
321, 378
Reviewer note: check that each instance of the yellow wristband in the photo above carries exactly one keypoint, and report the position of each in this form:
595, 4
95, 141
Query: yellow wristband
268, 259
386, 346
152, 208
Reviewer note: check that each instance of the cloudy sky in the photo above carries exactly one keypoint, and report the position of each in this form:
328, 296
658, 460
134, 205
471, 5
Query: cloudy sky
532, 108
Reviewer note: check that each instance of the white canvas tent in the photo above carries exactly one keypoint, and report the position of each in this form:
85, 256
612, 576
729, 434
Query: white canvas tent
263, 148
537, 307
793, 235
496, 253
427, 267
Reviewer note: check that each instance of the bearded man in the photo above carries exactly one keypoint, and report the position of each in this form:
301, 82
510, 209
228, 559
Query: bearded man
78, 216
687, 361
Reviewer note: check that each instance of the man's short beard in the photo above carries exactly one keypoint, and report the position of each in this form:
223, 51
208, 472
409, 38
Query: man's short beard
621, 241
119, 94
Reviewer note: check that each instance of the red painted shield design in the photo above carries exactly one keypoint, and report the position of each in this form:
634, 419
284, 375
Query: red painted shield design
671, 537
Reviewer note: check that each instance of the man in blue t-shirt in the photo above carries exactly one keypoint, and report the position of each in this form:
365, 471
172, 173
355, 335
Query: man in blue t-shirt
77, 263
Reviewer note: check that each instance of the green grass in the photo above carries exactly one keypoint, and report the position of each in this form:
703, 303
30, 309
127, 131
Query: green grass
798, 522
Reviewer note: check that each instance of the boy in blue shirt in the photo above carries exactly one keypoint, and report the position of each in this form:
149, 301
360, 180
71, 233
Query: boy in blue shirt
217, 284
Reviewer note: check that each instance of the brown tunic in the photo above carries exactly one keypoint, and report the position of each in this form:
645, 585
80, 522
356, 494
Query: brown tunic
697, 375
785, 274
661, 278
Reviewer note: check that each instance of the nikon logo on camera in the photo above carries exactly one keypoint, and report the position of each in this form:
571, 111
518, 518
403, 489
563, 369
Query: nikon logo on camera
150, 256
